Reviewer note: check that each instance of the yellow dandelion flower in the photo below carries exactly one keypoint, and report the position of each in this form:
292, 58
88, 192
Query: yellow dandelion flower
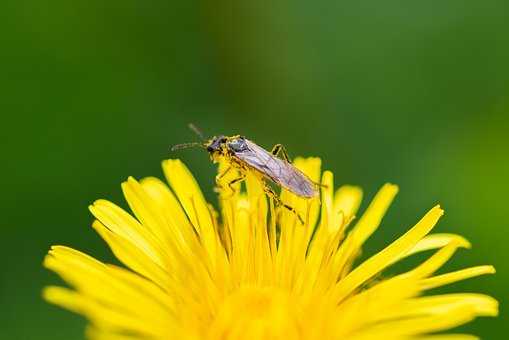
259, 273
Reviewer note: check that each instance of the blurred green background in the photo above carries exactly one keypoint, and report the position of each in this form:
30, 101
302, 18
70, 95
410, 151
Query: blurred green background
411, 92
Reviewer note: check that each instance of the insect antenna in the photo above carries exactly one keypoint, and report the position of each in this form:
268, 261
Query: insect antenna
186, 145
196, 131
192, 144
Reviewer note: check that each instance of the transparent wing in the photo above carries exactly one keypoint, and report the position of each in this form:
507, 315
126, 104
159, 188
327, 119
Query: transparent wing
278, 170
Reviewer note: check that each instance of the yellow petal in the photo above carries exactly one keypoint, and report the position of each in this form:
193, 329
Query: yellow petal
422, 325
121, 223
114, 319
168, 204
436, 261
226, 173
435, 241
256, 196
480, 305
294, 237
483, 305
448, 337
307, 208
262, 254
328, 222
463, 274
102, 283
133, 257
180, 234
378, 262
371, 219
366, 225
190, 196
147, 211
347, 199
368, 306
315, 266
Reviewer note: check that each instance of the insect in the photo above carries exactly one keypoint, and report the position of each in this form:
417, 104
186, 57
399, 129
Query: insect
244, 155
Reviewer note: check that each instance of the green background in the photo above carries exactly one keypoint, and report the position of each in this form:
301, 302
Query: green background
411, 92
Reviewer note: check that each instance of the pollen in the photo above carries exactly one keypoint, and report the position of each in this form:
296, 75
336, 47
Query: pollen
257, 313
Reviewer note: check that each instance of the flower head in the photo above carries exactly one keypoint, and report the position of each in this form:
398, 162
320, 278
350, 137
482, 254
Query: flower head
256, 272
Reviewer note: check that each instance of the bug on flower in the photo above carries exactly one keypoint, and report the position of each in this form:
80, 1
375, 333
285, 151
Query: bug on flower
245, 155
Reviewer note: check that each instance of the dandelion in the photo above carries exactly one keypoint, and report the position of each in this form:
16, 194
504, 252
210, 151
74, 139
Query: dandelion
253, 271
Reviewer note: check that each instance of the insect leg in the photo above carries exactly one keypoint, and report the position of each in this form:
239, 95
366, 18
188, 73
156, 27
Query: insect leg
277, 201
231, 183
222, 174
235, 180
279, 148
320, 184
220, 185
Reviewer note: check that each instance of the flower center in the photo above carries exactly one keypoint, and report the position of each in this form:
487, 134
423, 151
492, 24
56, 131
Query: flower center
256, 313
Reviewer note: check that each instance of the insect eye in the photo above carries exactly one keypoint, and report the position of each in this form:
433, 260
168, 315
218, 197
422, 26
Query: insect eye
237, 145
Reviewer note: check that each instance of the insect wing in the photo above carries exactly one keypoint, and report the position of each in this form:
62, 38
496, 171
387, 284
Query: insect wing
278, 170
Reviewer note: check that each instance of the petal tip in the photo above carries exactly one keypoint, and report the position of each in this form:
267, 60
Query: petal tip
171, 161
392, 186
46, 293
47, 259
129, 181
464, 243
438, 209
98, 203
